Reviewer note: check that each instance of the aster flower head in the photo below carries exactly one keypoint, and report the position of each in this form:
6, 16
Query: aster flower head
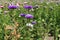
28, 16
12, 6
34, 22
22, 14
28, 7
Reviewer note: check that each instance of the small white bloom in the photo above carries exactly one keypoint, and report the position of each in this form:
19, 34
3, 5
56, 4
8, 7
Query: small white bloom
18, 4
25, 2
43, 20
19, 16
6, 11
29, 25
59, 35
31, 9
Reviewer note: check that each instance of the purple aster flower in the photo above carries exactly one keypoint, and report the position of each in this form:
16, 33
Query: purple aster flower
34, 22
28, 7
12, 6
23, 15
28, 16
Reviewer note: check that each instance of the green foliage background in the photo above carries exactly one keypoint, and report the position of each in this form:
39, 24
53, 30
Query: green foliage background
47, 17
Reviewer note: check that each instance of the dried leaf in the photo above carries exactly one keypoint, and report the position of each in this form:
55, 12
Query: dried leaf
18, 35
8, 27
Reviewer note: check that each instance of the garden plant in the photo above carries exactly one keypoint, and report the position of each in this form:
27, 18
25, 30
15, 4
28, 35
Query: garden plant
29, 21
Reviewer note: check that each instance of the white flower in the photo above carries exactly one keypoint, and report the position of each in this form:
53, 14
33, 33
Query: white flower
59, 35
25, 2
43, 20
31, 9
29, 25
19, 16
17, 4
6, 11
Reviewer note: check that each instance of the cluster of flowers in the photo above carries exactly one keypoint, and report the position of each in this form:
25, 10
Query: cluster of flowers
28, 7
28, 16
31, 20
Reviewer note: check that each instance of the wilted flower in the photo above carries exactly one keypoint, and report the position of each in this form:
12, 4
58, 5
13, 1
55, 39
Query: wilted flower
12, 6
18, 4
22, 14
28, 16
1, 6
14, 32
29, 25
8, 27
34, 22
18, 35
16, 24
28, 7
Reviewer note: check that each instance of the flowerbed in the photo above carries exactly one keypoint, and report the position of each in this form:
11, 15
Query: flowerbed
29, 21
